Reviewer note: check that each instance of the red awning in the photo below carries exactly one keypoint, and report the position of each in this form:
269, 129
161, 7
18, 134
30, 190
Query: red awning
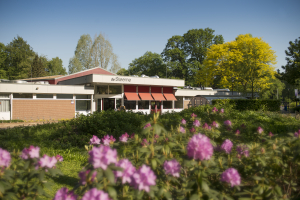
132, 96
170, 97
158, 97
145, 96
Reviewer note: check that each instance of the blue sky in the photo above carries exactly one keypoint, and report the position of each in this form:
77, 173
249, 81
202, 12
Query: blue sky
52, 28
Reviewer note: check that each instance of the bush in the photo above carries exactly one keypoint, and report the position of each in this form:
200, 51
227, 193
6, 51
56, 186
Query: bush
250, 104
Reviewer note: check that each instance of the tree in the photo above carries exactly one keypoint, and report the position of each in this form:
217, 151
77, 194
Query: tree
19, 59
3, 57
55, 67
123, 72
246, 63
90, 54
38, 67
149, 64
292, 68
185, 54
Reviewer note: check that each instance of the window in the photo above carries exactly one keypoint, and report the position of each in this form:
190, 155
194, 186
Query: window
64, 96
4, 106
87, 97
22, 96
130, 105
4, 96
167, 104
44, 96
83, 105
179, 102
102, 89
143, 105
115, 89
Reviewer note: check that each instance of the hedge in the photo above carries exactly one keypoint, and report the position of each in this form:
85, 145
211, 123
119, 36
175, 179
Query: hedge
250, 104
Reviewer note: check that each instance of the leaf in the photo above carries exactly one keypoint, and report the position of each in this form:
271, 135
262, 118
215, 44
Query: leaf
278, 190
204, 186
112, 192
154, 163
110, 175
195, 197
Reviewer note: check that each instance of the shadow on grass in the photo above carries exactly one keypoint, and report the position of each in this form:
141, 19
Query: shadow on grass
65, 180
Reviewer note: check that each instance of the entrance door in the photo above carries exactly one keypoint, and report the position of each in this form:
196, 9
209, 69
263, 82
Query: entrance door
99, 105
108, 103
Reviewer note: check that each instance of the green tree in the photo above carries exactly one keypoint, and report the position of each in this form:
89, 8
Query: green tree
149, 64
292, 68
19, 59
3, 57
123, 72
38, 67
185, 54
55, 67
90, 54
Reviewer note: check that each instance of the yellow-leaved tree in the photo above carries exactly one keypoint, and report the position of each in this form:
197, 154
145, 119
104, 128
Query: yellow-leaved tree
247, 63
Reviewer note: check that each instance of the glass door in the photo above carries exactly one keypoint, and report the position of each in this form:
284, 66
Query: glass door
108, 103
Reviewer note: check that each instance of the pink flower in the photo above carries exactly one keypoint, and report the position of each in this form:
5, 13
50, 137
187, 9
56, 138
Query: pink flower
205, 126
94, 194
214, 109
242, 150
95, 140
181, 129
215, 124
84, 176
47, 161
196, 123
227, 146
193, 115
31, 152
106, 140
260, 130
124, 137
183, 121
112, 139
143, 178
297, 134
59, 158
199, 147
128, 170
101, 157
5, 158
172, 167
227, 123
270, 134
63, 194
192, 130
237, 132
222, 110
147, 125
145, 142
132, 135
231, 176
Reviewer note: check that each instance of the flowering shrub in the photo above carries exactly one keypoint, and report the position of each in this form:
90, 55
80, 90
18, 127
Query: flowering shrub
208, 162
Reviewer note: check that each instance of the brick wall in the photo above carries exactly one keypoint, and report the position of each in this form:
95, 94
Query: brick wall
42, 109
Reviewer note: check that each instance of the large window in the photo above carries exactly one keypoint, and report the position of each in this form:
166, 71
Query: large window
44, 96
167, 104
22, 96
115, 89
130, 105
83, 102
102, 89
179, 102
64, 96
143, 105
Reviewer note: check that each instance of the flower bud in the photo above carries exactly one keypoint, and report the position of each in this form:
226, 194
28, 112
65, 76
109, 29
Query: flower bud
262, 150
274, 146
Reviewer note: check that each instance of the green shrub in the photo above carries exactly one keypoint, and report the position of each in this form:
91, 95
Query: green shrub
250, 104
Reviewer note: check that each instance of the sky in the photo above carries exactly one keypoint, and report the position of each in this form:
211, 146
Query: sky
133, 27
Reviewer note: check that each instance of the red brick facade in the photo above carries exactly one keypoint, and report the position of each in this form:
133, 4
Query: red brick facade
36, 109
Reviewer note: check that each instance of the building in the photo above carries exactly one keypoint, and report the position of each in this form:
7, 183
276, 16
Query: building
62, 97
